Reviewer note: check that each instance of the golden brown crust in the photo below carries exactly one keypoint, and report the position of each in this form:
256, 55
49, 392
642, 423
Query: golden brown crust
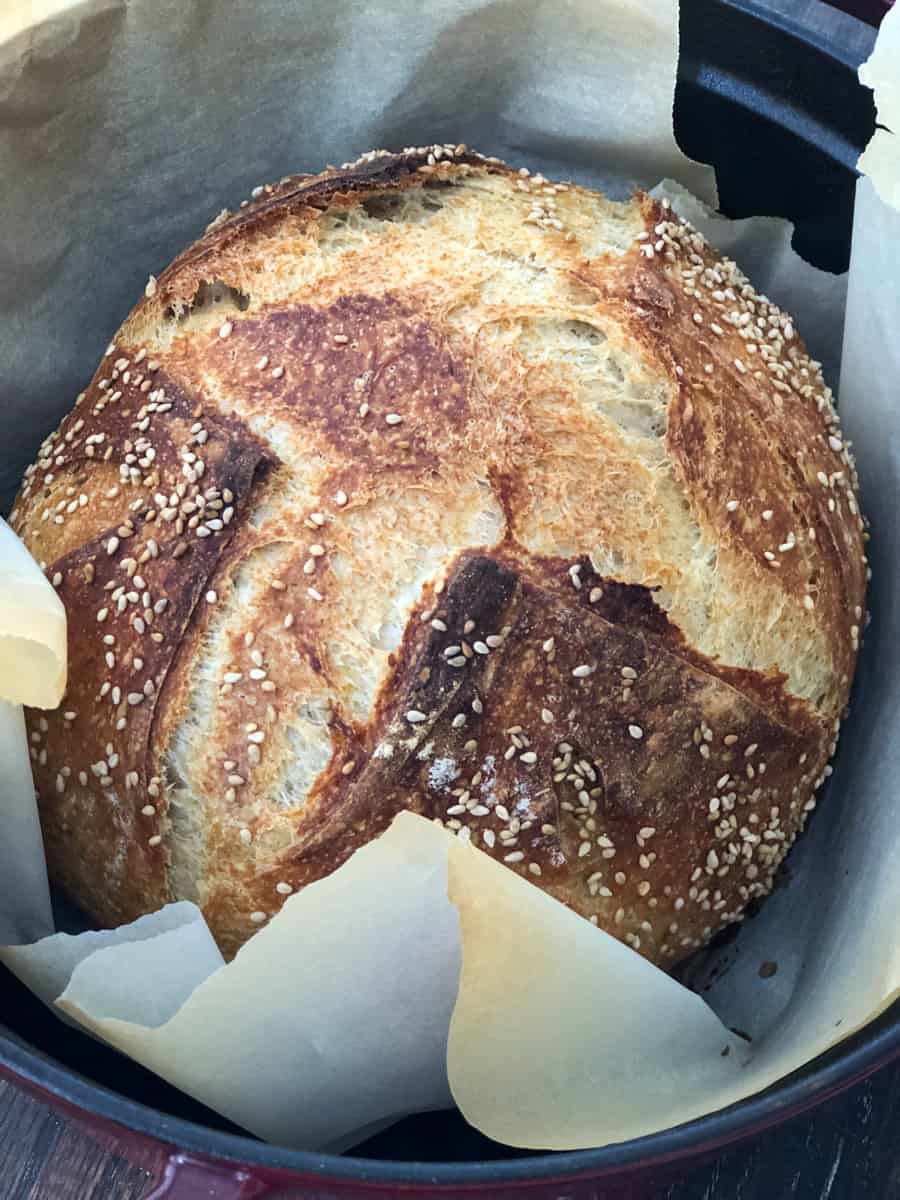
446, 484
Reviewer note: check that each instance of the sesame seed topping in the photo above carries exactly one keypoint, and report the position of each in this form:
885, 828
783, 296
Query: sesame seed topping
155, 840
547, 716
283, 889
393, 419
257, 917
636, 732
582, 671
415, 717
225, 329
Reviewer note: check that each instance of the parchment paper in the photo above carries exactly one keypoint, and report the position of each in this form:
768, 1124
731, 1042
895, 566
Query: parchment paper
338, 1014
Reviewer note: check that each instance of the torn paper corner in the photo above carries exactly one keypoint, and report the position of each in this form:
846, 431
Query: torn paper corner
32, 629
881, 71
562, 1036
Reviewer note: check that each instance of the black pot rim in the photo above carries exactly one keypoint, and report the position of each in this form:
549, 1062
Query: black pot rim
852, 1060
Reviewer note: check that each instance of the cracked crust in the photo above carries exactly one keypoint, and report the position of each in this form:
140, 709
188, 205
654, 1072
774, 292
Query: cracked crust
425, 483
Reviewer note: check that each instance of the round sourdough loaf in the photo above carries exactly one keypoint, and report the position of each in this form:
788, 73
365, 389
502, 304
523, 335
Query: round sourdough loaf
426, 483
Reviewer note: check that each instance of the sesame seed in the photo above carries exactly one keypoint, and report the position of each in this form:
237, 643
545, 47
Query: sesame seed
283, 889
528, 757
595, 595
262, 363
155, 840
731, 506
314, 594
547, 716
582, 671
767, 514
547, 646
393, 419
643, 887
481, 648
438, 625
225, 329
257, 917
278, 372
256, 737
317, 518
513, 857
636, 732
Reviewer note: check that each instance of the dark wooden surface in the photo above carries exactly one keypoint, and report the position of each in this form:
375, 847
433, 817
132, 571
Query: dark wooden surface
848, 1149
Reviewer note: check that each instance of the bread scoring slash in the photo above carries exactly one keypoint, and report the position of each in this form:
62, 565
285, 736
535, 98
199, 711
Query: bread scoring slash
426, 483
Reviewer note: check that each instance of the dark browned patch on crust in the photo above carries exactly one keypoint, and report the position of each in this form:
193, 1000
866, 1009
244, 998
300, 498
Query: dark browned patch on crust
487, 755
370, 378
99, 771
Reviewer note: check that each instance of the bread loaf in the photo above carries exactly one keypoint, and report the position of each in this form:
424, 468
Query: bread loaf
425, 483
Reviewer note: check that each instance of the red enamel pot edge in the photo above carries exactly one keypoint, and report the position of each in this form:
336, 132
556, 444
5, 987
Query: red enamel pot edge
195, 1156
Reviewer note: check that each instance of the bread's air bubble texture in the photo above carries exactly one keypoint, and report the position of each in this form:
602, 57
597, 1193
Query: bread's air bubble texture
212, 303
